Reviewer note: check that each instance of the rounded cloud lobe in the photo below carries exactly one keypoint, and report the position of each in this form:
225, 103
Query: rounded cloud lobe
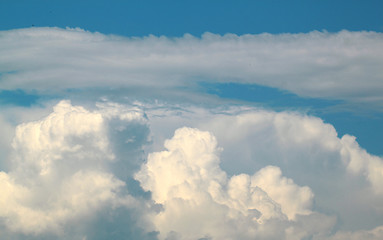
72, 175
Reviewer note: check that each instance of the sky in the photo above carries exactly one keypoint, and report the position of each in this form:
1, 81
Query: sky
191, 119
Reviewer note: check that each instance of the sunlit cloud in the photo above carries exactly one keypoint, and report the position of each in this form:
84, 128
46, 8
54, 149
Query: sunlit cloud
75, 163
139, 149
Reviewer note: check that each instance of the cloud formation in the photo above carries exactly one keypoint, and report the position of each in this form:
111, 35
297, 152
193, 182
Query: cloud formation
298, 139
303, 147
199, 200
315, 64
62, 170
231, 172
71, 176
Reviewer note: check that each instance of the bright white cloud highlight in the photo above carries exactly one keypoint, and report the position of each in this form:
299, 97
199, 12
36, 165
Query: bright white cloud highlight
344, 65
199, 199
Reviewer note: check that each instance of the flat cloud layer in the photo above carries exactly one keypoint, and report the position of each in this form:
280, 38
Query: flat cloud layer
344, 65
70, 172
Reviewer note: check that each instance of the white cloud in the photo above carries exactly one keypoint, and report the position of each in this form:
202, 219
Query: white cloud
44, 208
296, 139
316, 64
62, 169
71, 168
304, 147
67, 130
199, 200
359, 161
292, 198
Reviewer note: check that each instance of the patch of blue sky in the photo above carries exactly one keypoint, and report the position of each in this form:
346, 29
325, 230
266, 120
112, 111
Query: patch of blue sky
367, 127
175, 18
18, 98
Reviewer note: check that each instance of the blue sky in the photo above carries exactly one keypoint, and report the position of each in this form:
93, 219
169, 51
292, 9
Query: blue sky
238, 101
174, 18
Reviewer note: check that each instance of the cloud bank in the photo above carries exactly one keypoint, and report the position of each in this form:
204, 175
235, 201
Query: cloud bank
344, 65
78, 174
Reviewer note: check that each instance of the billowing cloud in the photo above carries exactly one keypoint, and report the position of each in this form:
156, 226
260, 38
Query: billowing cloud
344, 65
62, 169
235, 173
199, 200
305, 148
297, 139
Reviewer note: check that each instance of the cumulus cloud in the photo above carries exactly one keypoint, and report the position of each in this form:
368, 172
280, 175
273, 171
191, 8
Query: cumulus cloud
304, 148
199, 200
235, 173
62, 169
315, 64
298, 140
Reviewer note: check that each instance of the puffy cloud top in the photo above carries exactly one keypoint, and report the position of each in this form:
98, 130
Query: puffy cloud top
199, 200
61, 170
